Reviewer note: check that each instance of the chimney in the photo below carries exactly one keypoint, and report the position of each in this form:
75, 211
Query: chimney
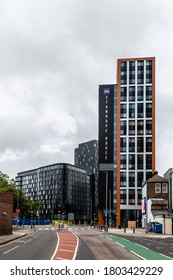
155, 173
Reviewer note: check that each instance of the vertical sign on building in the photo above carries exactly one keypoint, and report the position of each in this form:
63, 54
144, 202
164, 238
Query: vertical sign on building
106, 123
106, 148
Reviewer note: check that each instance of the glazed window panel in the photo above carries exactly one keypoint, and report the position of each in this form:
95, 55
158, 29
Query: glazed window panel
140, 144
132, 72
123, 127
140, 177
131, 196
140, 127
140, 161
149, 144
123, 179
157, 187
131, 144
123, 144
132, 110
140, 110
132, 127
123, 196
123, 110
131, 161
148, 93
148, 110
131, 93
148, 161
139, 194
123, 93
123, 162
131, 179
148, 127
164, 187
140, 93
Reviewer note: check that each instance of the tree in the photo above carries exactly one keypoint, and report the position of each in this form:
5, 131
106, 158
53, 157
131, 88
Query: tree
8, 185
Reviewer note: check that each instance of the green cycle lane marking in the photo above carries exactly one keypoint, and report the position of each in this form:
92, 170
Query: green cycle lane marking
139, 250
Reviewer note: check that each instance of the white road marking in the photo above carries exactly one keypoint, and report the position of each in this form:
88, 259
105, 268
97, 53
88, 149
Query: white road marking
27, 241
10, 250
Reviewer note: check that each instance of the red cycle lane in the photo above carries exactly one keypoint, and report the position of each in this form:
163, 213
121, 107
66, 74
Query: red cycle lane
67, 246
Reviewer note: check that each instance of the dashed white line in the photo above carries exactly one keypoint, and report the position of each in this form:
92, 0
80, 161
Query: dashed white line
27, 241
10, 250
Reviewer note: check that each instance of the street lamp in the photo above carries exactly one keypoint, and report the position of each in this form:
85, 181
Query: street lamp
106, 210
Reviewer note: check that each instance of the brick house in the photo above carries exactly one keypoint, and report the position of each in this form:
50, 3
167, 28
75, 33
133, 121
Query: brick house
6, 213
155, 197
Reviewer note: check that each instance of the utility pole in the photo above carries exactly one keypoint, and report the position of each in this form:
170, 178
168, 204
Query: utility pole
106, 212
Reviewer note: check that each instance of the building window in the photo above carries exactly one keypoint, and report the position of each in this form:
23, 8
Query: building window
123, 144
139, 192
131, 144
123, 93
140, 93
140, 127
132, 127
131, 179
132, 110
164, 188
123, 196
123, 110
123, 73
148, 110
132, 197
140, 78
149, 161
148, 71
148, 144
148, 127
140, 144
157, 187
140, 110
123, 164
140, 177
132, 93
131, 161
123, 129
132, 72
140, 162
123, 179
148, 93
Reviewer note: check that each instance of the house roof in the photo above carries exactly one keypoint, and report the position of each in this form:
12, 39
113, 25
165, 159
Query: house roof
157, 179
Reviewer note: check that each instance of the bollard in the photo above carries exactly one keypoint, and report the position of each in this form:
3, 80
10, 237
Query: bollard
124, 230
133, 229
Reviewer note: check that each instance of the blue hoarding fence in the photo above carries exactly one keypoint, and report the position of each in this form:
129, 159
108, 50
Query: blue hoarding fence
27, 221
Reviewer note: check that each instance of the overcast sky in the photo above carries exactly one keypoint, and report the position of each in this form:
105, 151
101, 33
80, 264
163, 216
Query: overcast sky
53, 56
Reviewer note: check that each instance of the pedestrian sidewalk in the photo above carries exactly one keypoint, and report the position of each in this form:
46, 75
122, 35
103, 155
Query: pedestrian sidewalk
137, 232
17, 233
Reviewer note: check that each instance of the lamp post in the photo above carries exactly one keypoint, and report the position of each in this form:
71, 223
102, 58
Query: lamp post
146, 209
106, 211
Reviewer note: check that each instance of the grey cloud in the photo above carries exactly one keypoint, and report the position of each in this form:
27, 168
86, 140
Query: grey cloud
53, 56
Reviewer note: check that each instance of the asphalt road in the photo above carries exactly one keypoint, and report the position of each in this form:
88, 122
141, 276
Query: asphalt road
161, 245
94, 245
39, 245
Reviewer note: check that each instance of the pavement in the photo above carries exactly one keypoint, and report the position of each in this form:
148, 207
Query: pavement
17, 233
140, 232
